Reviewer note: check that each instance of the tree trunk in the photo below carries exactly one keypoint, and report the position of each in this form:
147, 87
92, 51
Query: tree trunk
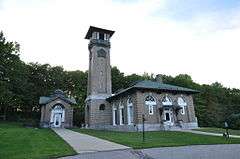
5, 112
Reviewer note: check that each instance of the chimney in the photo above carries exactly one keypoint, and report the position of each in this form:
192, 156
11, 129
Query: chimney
159, 78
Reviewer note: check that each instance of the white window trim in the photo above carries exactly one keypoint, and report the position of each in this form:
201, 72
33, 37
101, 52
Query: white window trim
168, 102
150, 105
51, 119
128, 112
106, 36
183, 109
182, 103
63, 115
121, 108
113, 116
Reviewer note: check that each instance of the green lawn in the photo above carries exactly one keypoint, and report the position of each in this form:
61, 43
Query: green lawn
158, 138
17, 142
219, 130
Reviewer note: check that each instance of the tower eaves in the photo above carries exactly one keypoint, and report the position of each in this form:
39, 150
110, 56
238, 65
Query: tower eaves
96, 29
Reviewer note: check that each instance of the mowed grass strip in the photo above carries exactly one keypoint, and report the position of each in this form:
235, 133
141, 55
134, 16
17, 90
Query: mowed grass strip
218, 130
158, 138
17, 142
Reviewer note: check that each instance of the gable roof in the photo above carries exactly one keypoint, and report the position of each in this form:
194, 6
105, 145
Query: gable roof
57, 94
151, 85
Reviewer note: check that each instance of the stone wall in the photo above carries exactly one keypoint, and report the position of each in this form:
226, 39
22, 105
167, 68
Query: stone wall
99, 78
189, 115
95, 116
155, 121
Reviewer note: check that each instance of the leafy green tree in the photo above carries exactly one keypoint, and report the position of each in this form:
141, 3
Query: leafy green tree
118, 80
10, 74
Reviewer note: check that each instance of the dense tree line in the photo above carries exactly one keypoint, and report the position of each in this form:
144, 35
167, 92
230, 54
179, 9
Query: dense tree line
21, 85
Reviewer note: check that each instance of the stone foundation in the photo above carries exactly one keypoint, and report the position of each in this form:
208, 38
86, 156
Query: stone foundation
127, 128
49, 125
148, 127
192, 125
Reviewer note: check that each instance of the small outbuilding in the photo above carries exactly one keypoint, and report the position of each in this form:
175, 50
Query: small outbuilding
56, 110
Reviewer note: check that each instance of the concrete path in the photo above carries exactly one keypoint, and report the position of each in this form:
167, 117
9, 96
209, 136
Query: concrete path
208, 133
83, 143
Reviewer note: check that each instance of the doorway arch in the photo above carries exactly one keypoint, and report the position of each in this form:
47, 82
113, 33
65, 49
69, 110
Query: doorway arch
57, 115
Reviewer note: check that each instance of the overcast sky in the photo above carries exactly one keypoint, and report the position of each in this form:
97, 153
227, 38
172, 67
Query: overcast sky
197, 37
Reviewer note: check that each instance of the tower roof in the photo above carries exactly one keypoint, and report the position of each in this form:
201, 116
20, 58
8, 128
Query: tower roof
95, 29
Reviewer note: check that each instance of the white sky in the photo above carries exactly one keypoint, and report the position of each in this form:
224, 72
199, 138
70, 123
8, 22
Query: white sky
153, 36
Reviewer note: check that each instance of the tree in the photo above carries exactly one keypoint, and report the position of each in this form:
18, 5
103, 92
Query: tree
118, 80
10, 74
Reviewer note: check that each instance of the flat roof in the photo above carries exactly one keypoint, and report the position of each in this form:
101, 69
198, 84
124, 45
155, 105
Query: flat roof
96, 29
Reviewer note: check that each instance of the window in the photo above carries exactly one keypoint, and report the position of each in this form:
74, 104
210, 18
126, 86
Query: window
101, 36
121, 114
167, 116
97, 35
150, 102
106, 37
181, 102
102, 107
130, 111
166, 100
58, 108
150, 109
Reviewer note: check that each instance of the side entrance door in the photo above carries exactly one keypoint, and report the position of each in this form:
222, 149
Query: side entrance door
168, 116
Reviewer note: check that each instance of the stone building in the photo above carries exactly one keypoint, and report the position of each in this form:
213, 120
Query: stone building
165, 107
56, 110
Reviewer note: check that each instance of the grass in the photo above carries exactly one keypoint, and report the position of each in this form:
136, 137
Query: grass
219, 130
158, 138
17, 142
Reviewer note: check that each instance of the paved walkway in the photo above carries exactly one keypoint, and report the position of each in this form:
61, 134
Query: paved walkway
208, 133
183, 152
83, 143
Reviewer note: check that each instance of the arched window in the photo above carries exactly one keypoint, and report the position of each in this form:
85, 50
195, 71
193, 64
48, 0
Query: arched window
121, 113
166, 100
102, 107
130, 111
181, 102
150, 102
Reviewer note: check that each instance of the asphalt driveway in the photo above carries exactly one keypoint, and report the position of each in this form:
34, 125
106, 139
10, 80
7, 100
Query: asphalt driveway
227, 151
